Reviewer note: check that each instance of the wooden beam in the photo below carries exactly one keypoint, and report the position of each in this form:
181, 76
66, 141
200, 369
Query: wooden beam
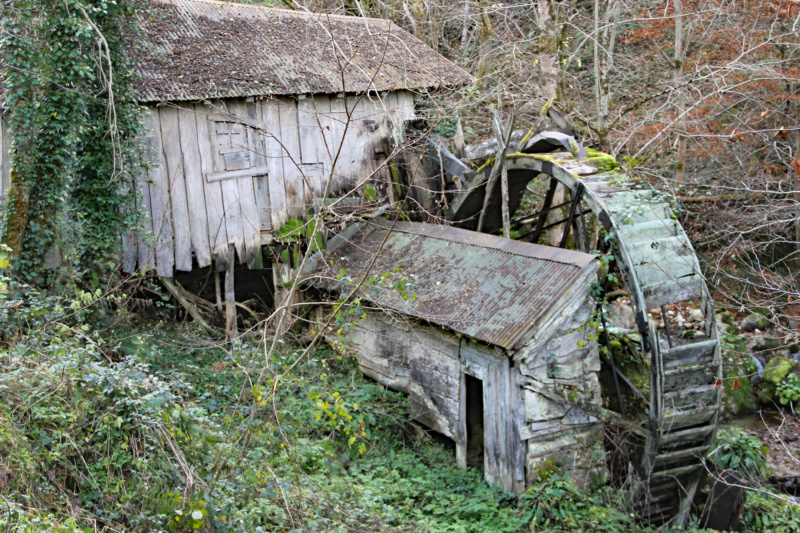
503, 136
548, 200
230, 297
575, 202
190, 307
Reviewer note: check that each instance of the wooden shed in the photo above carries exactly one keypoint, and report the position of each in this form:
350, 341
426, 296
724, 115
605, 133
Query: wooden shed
247, 108
485, 334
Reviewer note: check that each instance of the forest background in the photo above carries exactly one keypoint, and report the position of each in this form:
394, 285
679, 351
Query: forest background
699, 98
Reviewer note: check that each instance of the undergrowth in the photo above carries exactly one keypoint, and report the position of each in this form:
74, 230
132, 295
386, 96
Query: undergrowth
109, 422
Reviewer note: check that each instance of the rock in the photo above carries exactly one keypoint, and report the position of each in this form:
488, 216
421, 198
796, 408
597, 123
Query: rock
794, 324
755, 380
680, 320
727, 317
778, 368
765, 344
698, 315
753, 322
622, 315
724, 509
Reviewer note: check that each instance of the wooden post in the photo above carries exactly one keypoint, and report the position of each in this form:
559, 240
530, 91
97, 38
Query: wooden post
504, 193
503, 138
230, 298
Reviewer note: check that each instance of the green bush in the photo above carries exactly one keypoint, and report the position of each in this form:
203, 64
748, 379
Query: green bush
736, 450
765, 511
788, 390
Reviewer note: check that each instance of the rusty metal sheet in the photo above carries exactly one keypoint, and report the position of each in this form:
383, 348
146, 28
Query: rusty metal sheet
202, 49
489, 288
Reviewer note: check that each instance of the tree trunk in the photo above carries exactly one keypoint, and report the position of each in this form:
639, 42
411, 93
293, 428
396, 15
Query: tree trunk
680, 58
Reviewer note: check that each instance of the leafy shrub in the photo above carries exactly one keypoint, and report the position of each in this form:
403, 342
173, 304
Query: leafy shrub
736, 450
788, 390
769, 512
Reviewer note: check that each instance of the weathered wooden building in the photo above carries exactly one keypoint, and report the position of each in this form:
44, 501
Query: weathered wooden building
484, 334
251, 112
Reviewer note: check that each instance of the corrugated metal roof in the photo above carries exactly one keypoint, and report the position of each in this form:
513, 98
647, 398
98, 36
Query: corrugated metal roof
200, 49
487, 287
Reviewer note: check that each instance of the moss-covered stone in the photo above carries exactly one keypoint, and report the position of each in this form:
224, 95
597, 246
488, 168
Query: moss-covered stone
778, 368
738, 395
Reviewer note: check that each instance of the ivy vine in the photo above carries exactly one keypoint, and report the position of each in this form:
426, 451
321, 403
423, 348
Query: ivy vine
74, 124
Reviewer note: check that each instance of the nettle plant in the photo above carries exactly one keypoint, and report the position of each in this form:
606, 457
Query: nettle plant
736, 450
788, 390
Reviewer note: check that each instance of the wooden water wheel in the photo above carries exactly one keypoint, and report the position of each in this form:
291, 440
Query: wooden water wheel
659, 267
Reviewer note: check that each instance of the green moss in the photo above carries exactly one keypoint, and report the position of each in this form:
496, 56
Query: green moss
545, 469
601, 160
295, 230
777, 369
369, 193
738, 395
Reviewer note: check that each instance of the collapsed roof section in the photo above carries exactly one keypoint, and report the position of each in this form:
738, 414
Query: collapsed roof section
486, 287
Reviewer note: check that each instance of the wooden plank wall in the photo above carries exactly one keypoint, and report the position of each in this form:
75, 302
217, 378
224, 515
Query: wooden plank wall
428, 364
199, 209
492, 367
565, 358
420, 361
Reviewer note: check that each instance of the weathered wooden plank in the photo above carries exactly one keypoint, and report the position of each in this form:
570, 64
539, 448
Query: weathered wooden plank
680, 455
274, 154
195, 184
232, 202
490, 423
668, 268
215, 207
676, 472
292, 173
338, 121
674, 438
653, 250
159, 196
667, 292
698, 352
690, 397
506, 430
689, 376
170, 131
322, 105
144, 239
692, 417
251, 225
312, 144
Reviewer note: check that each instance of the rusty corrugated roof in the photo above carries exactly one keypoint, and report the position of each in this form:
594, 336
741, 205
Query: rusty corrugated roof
489, 288
200, 49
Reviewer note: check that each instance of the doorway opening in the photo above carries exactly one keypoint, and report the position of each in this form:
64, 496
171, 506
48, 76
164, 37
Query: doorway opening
474, 389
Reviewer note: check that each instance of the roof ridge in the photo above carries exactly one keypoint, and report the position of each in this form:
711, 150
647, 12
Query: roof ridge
282, 10
489, 242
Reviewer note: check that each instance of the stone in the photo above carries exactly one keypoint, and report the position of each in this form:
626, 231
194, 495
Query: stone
723, 512
777, 369
726, 317
754, 322
765, 344
698, 315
